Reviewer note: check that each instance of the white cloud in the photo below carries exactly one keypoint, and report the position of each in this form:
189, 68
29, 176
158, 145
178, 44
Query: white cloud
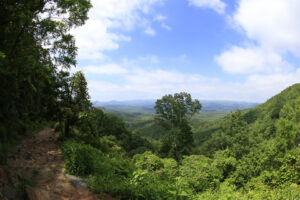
108, 69
109, 23
274, 27
182, 58
152, 59
94, 38
160, 18
150, 31
273, 24
262, 87
129, 81
140, 83
165, 26
274, 33
249, 60
217, 5
147, 77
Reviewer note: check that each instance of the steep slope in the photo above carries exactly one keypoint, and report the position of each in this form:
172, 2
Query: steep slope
273, 106
258, 150
259, 123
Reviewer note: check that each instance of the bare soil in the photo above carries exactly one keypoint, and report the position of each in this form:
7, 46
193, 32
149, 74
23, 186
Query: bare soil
38, 162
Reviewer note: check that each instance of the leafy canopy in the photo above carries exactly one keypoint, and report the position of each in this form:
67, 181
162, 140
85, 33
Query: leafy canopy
173, 110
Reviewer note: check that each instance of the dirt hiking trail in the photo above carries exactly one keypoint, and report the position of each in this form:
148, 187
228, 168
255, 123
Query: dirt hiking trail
37, 163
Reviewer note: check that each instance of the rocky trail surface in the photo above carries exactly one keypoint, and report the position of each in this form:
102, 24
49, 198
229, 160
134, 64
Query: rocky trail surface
34, 171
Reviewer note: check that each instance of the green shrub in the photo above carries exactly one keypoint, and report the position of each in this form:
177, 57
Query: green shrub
81, 159
148, 161
199, 173
107, 174
115, 185
150, 186
57, 126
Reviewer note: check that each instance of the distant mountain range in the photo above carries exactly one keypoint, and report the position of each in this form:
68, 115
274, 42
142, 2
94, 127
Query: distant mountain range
207, 105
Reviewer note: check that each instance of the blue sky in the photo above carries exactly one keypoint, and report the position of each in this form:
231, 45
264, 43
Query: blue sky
245, 50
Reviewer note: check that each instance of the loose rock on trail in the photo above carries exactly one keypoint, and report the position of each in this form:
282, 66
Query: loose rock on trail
34, 170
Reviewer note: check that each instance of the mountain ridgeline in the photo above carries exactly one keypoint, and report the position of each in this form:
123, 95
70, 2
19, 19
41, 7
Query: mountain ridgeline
148, 105
273, 106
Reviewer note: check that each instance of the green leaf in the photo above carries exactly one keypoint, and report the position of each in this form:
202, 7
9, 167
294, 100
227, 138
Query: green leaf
2, 55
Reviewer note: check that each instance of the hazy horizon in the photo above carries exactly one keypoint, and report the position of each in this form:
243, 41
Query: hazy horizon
153, 100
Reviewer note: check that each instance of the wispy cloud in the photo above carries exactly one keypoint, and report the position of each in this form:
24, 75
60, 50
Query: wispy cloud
107, 69
273, 29
182, 58
110, 23
152, 83
271, 34
273, 24
165, 26
150, 31
135, 82
217, 5
152, 59
160, 18
250, 60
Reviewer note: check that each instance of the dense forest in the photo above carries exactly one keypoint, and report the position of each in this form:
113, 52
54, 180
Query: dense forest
249, 154
138, 115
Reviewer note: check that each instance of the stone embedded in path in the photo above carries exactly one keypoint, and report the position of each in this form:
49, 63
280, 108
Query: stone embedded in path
9, 192
41, 163
78, 182
37, 194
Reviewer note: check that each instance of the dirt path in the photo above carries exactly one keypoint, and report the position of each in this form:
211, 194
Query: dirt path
37, 161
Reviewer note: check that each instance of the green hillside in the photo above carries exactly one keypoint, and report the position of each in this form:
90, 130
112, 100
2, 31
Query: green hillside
264, 142
273, 106
263, 117
250, 154
142, 121
139, 115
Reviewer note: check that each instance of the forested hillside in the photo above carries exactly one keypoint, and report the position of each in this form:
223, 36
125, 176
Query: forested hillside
252, 154
249, 154
138, 115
